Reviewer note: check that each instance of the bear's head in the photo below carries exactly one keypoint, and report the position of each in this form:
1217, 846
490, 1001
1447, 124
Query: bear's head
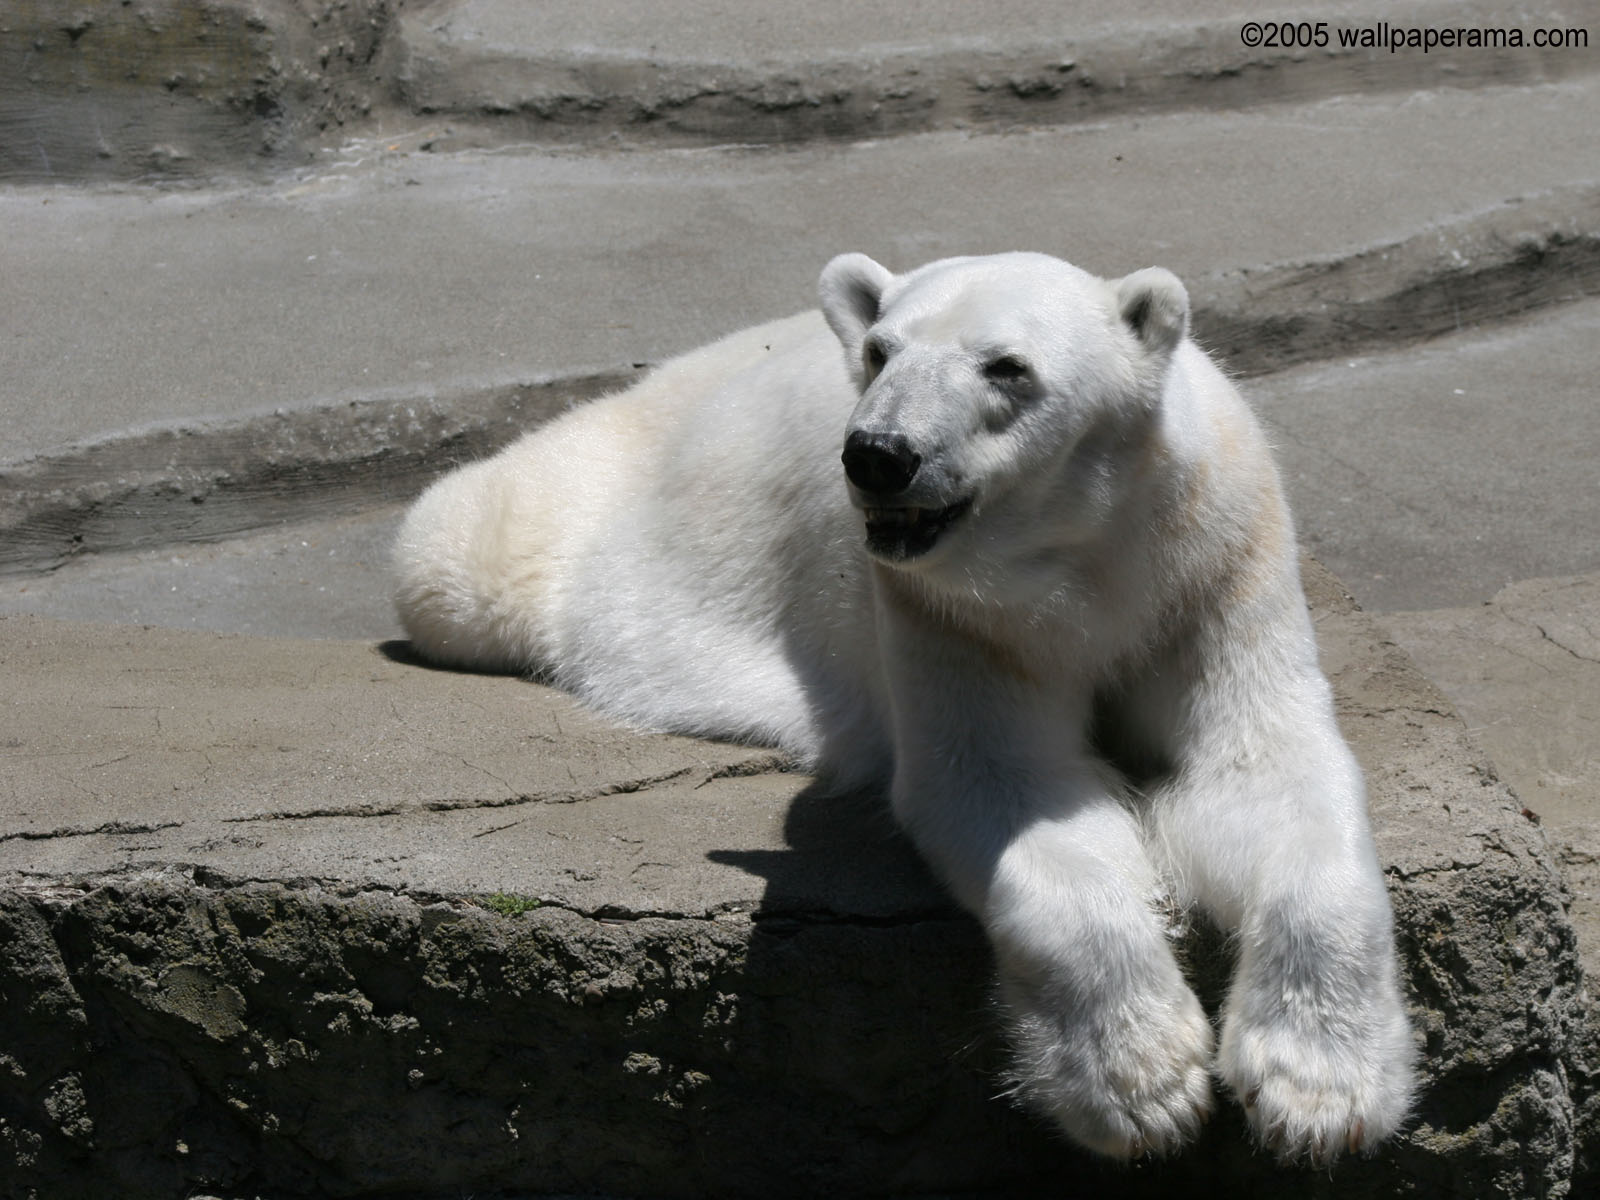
1004, 403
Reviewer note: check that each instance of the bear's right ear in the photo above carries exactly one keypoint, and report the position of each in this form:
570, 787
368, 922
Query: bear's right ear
851, 289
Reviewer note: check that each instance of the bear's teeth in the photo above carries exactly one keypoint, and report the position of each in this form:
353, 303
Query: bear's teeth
893, 516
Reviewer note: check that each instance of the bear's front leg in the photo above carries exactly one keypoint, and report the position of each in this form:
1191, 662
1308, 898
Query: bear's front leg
1266, 824
1108, 1038
993, 784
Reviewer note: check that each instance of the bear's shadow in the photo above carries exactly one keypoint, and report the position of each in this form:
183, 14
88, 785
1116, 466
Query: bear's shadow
847, 874
843, 858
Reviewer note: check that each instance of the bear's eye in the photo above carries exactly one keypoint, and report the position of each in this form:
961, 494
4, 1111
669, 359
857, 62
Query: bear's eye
1008, 368
874, 356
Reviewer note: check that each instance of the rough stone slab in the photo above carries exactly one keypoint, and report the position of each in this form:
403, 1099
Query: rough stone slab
332, 761
718, 952
1524, 672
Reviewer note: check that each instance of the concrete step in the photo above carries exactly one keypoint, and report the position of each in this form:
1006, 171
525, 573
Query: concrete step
1383, 454
326, 578
167, 90
275, 913
196, 365
1429, 477
171, 90
721, 73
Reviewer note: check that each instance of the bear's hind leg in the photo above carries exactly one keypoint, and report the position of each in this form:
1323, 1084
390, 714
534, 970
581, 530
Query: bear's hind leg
472, 574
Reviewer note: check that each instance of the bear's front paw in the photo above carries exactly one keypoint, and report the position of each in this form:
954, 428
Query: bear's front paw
1317, 1088
1123, 1078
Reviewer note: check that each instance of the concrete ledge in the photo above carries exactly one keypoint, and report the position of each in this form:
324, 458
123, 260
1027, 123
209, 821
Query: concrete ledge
494, 69
302, 918
199, 480
206, 479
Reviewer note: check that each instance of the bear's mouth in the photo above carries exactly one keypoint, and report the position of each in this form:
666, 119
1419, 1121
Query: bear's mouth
898, 534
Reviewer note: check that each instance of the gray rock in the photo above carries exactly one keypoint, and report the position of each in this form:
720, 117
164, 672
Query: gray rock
1524, 672
806, 1015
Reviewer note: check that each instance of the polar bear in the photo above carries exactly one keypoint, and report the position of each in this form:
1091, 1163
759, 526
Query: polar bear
1051, 600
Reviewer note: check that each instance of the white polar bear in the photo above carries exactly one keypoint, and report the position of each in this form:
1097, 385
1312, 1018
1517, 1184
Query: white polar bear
1052, 599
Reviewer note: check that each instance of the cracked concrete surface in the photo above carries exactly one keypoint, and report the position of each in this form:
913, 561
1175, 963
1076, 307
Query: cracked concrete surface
204, 750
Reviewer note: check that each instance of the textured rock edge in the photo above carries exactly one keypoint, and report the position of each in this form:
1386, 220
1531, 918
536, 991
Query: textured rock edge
167, 90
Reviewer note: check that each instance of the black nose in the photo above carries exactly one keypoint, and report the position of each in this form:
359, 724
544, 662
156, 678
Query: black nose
883, 463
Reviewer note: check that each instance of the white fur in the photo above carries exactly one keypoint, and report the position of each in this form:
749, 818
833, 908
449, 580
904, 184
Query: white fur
1096, 691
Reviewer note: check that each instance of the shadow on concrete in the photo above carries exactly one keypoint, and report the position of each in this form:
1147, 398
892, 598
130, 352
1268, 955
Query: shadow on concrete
896, 1062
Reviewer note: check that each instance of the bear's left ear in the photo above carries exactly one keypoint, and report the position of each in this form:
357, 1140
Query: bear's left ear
851, 289
1154, 304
